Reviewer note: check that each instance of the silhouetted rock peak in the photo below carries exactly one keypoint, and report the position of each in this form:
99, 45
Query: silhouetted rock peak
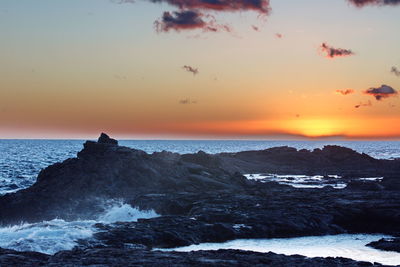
105, 139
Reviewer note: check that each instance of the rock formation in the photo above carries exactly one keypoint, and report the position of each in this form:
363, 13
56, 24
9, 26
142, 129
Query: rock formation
204, 198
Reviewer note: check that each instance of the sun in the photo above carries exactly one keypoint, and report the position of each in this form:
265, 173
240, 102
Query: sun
316, 127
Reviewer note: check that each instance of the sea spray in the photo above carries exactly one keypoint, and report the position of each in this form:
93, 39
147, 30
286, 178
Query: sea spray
118, 211
52, 236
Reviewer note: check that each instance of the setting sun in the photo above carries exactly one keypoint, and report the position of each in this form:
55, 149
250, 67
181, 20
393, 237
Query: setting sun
316, 127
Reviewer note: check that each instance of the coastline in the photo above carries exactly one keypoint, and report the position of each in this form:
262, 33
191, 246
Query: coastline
211, 189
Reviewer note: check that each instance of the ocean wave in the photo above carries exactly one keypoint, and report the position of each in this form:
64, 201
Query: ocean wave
52, 236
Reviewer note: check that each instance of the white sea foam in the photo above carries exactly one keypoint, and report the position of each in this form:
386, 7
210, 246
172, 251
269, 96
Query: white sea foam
56, 235
121, 212
301, 181
345, 245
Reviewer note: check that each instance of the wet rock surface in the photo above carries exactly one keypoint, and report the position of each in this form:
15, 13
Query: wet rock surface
204, 198
139, 257
387, 244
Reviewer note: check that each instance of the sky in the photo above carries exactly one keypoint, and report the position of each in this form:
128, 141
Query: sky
207, 69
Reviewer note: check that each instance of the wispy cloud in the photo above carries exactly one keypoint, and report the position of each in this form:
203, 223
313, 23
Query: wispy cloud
187, 101
345, 92
395, 71
366, 104
191, 69
255, 28
382, 92
331, 52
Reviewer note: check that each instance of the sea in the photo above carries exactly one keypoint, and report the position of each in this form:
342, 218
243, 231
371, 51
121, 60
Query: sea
22, 160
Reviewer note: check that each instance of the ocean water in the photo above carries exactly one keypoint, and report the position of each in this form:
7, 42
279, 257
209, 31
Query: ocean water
52, 236
351, 246
21, 160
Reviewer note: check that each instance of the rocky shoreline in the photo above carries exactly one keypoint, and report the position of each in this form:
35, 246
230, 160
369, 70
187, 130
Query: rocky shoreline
140, 257
205, 198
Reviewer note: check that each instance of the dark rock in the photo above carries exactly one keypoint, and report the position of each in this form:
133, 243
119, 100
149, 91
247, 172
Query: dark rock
364, 185
14, 258
391, 183
78, 188
387, 244
105, 139
140, 257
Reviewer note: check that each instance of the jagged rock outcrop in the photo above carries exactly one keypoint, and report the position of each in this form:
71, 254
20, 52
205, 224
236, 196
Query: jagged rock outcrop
329, 160
104, 170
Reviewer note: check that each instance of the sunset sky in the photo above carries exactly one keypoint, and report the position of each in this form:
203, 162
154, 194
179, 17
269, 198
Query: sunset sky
281, 69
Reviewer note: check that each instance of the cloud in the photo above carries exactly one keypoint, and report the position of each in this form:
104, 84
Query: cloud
361, 3
194, 14
332, 52
345, 92
395, 71
278, 35
382, 92
200, 8
179, 20
255, 28
260, 6
367, 104
188, 20
187, 101
191, 69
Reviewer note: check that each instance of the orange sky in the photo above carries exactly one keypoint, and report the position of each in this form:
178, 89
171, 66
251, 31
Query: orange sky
108, 70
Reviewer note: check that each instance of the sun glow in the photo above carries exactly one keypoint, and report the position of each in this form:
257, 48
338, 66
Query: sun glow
317, 127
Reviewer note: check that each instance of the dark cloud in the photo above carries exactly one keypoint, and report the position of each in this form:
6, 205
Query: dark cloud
260, 6
366, 104
263, 7
191, 69
332, 52
361, 3
187, 101
345, 92
193, 14
179, 20
382, 92
188, 20
395, 71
